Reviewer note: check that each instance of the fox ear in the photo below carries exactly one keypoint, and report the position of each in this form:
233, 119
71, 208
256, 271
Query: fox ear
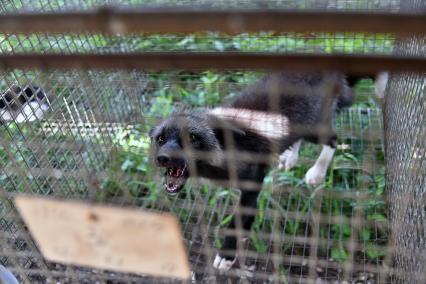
151, 131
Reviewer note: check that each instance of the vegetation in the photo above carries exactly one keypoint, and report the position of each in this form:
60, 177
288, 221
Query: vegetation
355, 182
357, 169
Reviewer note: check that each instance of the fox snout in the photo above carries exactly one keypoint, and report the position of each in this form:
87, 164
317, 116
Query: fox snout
169, 156
163, 159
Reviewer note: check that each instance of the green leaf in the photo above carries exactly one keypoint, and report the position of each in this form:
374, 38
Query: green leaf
339, 254
259, 245
142, 167
226, 220
347, 230
375, 252
126, 165
365, 234
377, 217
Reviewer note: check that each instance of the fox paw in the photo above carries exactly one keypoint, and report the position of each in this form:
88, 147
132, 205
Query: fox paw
222, 263
288, 159
315, 176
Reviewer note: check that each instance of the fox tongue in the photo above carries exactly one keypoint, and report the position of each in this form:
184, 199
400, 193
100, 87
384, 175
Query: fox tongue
171, 186
172, 183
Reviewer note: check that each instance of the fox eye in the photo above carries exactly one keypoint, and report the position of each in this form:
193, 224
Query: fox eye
160, 139
193, 138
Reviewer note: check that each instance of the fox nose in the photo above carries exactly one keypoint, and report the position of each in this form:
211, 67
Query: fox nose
163, 159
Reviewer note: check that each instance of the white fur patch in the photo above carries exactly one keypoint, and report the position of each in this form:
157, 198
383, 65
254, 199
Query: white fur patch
5, 115
290, 157
380, 84
269, 125
223, 264
31, 111
316, 174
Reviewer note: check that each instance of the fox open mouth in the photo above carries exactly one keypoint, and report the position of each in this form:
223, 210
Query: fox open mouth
176, 177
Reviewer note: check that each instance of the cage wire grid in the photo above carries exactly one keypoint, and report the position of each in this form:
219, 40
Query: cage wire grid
199, 219
68, 180
310, 42
407, 190
81, 149
359, 5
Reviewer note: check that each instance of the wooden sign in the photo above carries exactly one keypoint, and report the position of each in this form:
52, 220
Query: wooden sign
124, 240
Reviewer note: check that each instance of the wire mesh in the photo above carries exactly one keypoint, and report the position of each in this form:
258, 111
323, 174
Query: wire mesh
405, 150
406, 157
322, 43
93, 144
94, 148
359, 5
265, 41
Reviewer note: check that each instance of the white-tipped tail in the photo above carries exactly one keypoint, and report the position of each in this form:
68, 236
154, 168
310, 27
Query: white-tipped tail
269, 125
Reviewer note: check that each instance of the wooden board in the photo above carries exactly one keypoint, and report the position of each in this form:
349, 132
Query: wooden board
123, 240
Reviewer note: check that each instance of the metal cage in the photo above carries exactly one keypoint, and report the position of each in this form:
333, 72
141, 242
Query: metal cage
92, 144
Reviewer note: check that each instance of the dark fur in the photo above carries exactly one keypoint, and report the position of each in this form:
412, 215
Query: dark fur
13, 101
15, 98
308, 100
